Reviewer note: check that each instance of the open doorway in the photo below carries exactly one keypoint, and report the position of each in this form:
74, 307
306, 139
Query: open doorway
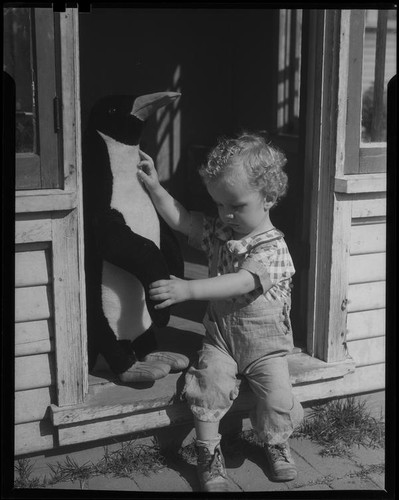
237, 69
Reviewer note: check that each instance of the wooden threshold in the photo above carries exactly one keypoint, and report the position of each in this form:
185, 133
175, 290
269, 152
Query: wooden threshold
112, 398
113, 409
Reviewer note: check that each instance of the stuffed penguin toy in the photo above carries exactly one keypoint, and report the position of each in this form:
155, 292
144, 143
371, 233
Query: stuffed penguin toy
127, 246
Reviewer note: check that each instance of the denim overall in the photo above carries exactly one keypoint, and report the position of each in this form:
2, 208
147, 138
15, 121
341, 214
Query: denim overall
250, 340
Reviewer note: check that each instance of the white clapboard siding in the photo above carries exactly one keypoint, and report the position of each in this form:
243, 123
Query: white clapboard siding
34, 337
32, 303
367, 351
365, 207
33, 404
33, 437
33, 331
32, 372
31, 268
365, 324
365, 296
33, 229
367, 267
368, 238
31, 348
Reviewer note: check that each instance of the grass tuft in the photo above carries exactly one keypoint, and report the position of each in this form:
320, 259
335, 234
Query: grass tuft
132, 458
340, 424
70, 470
23, 479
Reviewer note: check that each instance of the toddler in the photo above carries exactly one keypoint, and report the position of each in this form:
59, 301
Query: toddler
248, 329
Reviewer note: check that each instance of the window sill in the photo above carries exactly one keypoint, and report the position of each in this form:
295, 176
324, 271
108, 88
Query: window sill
362, 183
44, 200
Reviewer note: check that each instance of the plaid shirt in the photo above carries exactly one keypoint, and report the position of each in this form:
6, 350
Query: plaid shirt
266, 255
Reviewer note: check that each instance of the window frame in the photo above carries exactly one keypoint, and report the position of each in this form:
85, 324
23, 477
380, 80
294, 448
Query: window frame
42, 170
360, 158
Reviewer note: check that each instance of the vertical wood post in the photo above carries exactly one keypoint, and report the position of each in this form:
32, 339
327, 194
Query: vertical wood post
68, 345
329, 230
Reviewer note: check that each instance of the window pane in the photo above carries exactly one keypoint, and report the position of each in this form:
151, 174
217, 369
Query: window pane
18, 62
379, 66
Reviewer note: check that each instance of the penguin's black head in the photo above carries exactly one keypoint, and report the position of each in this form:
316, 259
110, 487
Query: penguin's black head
122, 117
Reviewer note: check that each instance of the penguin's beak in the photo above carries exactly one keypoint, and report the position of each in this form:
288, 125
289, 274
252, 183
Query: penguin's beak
145, 105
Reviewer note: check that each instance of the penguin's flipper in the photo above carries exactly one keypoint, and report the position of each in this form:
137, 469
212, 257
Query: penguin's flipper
170, 248
136, 254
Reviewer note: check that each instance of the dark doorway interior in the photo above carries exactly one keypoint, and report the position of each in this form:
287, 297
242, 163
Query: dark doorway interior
225, 62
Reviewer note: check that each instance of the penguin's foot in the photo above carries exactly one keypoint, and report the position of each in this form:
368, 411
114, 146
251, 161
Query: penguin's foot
143, 371
176, 361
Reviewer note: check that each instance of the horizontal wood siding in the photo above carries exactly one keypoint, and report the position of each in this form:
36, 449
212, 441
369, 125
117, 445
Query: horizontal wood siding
367, 238
32, 228
31, 268
35, 436
368, 351
365, 335
34, 342
32, 372
364, 206
34, 337
33, 404
365, 296
366, 324
33, 303
366, 268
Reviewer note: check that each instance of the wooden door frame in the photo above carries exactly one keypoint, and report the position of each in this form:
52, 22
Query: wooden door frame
329, 218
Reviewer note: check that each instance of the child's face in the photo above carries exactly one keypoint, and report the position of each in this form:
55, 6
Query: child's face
241, 207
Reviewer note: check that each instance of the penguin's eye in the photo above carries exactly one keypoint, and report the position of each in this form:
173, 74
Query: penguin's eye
112, 111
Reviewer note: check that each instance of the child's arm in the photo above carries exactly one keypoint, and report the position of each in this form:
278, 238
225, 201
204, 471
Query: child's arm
217, 288
174, 214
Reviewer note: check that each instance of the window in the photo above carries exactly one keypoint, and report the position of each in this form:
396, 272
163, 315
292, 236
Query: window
29, 57
379, 46
372, 63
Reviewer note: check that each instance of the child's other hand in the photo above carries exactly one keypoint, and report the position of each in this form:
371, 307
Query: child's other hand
169, 291
146, 171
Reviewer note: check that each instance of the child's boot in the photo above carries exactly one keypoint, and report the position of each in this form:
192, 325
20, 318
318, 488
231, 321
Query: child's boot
282, 465
210, 466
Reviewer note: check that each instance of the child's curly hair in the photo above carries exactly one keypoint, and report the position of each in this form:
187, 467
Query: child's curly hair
262, 161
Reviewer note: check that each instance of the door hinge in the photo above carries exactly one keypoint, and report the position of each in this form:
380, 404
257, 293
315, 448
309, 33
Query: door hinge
57, 114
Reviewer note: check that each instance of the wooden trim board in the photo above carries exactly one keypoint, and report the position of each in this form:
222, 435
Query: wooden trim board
116, 400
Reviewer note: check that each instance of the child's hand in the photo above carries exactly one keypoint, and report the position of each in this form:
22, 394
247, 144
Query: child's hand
169, 291
146, 171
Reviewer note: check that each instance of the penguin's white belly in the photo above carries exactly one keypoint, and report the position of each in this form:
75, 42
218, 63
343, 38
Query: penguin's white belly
124, 303
129, 196
123, 297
